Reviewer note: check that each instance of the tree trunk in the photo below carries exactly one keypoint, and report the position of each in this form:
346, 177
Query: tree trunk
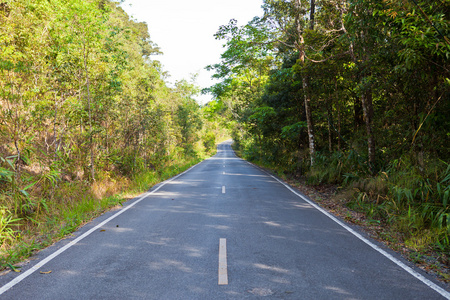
330, 133
309, 119
308, 113
260, 147
311, 14
358, 114
54, 129
90, 113
339, 125
300, 45
366, 100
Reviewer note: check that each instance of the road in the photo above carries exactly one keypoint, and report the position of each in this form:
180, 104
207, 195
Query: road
222, 230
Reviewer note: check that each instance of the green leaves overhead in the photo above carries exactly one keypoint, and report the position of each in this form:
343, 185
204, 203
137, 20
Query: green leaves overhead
357, 94
80, 88
370, 71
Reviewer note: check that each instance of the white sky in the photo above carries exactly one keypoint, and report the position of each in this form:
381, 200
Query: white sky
184, 30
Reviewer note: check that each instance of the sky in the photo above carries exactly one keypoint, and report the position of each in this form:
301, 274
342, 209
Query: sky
184, 30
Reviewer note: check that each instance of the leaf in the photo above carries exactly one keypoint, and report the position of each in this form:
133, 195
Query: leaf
28, 186
42, 272
6, 174
14, 268
25, 193
10, 163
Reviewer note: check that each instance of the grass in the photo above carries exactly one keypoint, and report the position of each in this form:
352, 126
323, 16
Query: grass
69, 206
405, 206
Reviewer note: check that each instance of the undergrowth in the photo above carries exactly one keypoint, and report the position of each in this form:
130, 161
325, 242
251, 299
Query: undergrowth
411, 202
30, 221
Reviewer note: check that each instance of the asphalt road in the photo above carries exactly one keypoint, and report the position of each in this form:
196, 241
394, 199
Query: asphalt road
165, 245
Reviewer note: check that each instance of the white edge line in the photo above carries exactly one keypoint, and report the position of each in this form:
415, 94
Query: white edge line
40, 264
408, 269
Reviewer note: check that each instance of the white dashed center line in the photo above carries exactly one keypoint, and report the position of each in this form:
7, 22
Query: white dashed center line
223, 272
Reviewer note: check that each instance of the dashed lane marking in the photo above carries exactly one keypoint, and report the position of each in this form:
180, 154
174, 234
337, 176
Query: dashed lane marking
223, 268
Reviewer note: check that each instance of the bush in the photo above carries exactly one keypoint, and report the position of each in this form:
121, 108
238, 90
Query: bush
209, 141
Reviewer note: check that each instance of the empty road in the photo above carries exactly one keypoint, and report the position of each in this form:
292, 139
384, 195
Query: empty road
222, 230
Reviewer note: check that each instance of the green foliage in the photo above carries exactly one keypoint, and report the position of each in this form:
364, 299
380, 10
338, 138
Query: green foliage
337, 167
7, 223
209, 141
292, 132
85, 110
76, 203
368, 83
413, 201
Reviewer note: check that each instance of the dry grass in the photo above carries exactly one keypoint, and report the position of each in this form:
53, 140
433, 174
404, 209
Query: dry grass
59, 210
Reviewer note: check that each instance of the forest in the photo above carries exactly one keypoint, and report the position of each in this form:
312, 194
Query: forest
87, 119
353, 94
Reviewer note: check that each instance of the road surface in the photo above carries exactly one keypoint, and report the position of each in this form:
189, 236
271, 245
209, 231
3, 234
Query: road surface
222, 230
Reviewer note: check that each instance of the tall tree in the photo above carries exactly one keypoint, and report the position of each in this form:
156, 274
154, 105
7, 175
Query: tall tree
291, 20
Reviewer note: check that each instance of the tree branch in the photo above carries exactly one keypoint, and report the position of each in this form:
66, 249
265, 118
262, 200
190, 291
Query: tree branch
328, 58
431, 23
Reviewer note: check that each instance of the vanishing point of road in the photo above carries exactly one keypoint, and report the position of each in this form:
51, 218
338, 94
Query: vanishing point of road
224, 229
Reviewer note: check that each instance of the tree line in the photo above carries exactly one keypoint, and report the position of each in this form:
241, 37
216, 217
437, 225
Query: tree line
349, 92
84, 101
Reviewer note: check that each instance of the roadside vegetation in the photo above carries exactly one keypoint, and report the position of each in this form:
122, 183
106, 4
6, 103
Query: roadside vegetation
352, 95
87, 119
